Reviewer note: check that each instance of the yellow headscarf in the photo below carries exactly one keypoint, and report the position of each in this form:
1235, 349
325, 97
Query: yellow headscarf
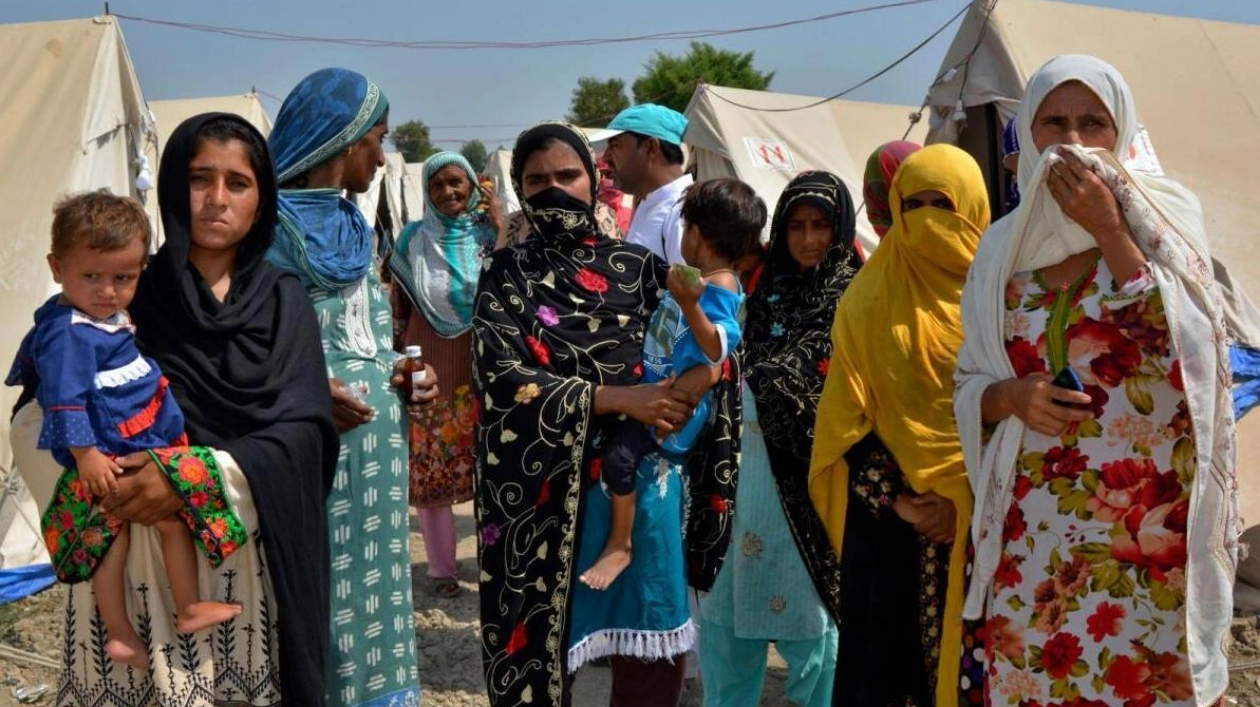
896, 338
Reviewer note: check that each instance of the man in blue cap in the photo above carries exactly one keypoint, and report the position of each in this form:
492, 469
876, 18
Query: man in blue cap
646, 160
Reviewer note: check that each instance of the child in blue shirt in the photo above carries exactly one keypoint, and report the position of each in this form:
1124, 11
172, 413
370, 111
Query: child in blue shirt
695, 325
101, 400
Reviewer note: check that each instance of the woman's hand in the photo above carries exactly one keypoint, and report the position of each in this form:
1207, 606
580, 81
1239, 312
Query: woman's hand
144, 495
939, 520
1032, 399
494, 209
1085, 199
348, 411
907, 510
654, 404
425, 391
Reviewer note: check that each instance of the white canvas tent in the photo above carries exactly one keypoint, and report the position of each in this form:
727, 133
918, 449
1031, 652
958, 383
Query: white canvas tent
499, 166
167, 115
1196, 84
73, 119
381, 204
767, 138
412, 191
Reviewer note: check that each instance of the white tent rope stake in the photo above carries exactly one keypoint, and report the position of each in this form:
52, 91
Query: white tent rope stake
11, 653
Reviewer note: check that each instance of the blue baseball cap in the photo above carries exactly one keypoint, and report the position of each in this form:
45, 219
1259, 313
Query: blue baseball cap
664, 124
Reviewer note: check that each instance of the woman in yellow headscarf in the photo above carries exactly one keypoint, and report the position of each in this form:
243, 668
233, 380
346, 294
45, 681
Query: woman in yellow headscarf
887, 410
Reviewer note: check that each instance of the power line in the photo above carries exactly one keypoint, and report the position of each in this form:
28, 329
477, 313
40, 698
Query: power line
601, 119
861, 83
265, 35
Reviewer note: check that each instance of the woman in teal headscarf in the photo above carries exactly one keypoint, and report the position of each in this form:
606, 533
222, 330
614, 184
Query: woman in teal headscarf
328, 138
435, 267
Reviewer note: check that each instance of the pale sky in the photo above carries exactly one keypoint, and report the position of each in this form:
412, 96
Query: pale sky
465, 88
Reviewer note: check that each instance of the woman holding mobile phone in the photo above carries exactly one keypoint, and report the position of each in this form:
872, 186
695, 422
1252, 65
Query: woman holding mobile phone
1106, 517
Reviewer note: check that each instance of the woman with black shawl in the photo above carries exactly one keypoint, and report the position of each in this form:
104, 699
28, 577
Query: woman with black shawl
558, 330
239, 343
781, 582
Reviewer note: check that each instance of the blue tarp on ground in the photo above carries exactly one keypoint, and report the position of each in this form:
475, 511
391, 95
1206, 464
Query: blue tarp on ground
21, 582
1245, 363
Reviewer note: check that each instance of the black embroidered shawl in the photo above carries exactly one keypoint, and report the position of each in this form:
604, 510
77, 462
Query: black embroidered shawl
555, 317
787, 344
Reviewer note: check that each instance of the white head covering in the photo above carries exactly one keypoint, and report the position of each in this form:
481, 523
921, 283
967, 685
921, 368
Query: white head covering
1054, 236
1167, 225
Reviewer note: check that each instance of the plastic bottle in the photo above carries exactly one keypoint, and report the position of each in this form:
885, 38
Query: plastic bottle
414, 366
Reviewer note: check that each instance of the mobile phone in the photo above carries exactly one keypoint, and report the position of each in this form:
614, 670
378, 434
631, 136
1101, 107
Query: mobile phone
1068, 379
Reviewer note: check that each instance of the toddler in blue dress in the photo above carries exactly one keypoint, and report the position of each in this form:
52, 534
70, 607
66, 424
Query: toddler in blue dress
101, 400
696, 326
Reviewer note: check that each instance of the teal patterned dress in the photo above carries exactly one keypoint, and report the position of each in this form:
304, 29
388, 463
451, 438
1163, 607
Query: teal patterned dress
372, 650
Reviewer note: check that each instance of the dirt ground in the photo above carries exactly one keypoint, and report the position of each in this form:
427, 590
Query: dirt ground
446, 641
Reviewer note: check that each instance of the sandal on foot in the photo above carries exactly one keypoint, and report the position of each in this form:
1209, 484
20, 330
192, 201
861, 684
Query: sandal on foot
445, 589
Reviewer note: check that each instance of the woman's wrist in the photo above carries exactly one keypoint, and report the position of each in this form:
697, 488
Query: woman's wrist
1112, 235
608, 400
995, 402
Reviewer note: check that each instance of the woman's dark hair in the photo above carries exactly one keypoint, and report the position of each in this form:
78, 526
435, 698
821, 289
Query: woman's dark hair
545, 144
671, 152
225, 130
542, 138
728, 213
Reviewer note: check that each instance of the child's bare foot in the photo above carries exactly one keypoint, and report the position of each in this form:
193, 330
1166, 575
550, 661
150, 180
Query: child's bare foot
128, 650
607, 568
204, 614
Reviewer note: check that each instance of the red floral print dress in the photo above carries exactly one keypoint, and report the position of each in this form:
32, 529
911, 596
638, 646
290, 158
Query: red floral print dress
1088, 603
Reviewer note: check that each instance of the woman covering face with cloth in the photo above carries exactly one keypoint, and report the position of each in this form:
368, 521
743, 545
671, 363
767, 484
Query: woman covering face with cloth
1095, 414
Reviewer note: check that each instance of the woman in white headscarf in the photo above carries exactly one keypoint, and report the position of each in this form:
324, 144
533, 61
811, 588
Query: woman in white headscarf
1106, 522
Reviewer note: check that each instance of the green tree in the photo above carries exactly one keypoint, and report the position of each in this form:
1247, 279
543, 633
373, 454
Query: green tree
475, 152
595, 102
670, 80
412, 140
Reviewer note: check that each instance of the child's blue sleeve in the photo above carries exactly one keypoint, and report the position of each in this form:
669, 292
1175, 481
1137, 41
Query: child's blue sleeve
722, 308
66, 363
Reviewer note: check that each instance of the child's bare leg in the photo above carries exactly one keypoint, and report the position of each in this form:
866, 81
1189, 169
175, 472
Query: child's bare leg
181, 568
616, 555
109, 583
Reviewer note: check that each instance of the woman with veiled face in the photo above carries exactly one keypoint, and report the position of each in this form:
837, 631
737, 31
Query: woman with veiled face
1095, 413
558, 332
887, 474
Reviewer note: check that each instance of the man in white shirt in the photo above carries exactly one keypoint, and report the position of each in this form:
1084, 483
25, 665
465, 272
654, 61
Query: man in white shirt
646, 160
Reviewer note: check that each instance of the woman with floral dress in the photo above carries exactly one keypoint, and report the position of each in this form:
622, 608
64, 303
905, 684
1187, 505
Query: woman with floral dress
1106, 524
435, 267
